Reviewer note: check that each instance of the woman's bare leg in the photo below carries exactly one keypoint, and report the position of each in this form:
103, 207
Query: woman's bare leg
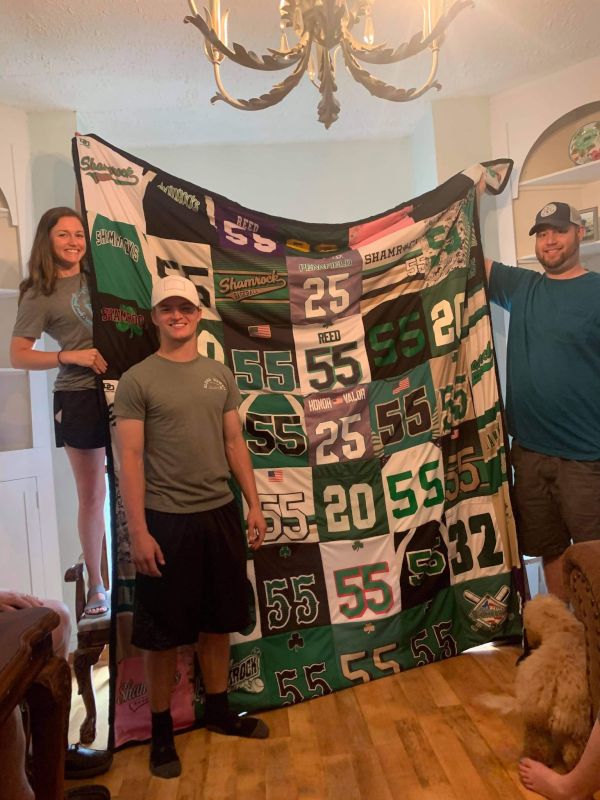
62, 634
88, 470
12, 746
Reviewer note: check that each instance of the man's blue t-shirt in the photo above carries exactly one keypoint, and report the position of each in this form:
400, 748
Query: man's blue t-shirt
553, 364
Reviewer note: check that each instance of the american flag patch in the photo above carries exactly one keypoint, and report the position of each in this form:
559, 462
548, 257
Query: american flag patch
260, 331
404, 384
275, 475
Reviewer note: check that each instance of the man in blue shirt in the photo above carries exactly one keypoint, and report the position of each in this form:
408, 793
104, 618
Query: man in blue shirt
553, 390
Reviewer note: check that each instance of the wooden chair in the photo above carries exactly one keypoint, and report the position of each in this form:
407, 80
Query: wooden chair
93, 634
29, 671
582, 576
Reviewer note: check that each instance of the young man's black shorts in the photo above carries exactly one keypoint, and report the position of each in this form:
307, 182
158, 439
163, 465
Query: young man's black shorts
203, 588
80, 419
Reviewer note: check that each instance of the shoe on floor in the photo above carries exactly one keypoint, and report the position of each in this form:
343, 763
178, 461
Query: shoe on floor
88, 793
231, 724
82, 762
164, 761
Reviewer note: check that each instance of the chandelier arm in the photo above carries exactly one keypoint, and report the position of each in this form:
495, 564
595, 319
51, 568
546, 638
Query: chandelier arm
384, 90
327, 24
382, 54
273, 60
328, 108
271, 98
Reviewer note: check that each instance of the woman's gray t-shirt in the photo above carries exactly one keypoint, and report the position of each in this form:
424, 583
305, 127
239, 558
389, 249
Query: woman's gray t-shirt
66, 316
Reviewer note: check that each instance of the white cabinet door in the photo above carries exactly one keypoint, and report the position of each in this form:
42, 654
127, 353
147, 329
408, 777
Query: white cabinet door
21, 565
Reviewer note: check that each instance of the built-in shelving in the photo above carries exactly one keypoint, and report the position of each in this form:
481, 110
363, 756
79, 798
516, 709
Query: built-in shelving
581, 173
578, 185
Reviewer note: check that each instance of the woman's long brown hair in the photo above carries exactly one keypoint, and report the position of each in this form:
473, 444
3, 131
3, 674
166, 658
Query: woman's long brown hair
42, 271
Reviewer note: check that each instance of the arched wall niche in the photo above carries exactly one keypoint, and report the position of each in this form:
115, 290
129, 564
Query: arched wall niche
548, 174
10, 256
550, 153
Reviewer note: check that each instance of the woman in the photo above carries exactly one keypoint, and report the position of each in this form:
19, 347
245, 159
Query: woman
54, 299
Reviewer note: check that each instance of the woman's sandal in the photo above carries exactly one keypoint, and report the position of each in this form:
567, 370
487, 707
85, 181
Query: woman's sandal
98, 607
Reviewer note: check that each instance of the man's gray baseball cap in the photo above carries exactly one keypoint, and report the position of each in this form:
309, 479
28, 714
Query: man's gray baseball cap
556, 215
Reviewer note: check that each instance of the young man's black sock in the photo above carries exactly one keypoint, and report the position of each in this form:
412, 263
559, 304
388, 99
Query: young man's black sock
164, 761
162, 727
220, 719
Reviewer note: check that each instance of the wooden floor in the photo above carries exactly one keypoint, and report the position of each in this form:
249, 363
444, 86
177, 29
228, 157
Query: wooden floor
419, 735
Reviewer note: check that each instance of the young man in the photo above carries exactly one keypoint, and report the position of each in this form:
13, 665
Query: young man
180, 436
553, 385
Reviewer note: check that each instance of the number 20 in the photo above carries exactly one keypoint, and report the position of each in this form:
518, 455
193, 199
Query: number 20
447, 324
363, 517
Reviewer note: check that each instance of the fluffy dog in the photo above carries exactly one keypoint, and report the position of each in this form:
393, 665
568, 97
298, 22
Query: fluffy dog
551, 685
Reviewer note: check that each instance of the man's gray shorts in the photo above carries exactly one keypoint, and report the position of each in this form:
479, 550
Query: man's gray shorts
557, 501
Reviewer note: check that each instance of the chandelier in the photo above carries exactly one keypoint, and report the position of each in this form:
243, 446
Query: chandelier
321, 28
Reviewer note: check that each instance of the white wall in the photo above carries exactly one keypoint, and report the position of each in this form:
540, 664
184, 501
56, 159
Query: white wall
462, 134
36, 462
423, 154
53, 184
315, 182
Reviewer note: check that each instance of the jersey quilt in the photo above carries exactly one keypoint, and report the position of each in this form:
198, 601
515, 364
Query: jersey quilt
364, 356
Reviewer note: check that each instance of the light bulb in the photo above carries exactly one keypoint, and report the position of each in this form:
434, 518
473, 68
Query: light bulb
298, 21
369, 34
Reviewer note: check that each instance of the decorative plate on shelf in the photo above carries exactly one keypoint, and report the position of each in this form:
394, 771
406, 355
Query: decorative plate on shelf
585, 144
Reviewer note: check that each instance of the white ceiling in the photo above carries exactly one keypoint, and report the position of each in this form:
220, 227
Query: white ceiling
137, 75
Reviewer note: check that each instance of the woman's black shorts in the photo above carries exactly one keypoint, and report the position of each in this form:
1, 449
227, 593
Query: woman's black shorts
80, 419
203, 588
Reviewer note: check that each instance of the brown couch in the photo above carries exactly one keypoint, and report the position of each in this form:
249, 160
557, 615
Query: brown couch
582, 574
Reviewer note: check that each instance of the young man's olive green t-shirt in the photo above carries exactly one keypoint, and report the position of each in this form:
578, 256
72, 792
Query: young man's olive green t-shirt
182, 406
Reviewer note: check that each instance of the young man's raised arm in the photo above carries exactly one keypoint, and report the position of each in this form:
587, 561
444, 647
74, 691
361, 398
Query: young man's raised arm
146, 553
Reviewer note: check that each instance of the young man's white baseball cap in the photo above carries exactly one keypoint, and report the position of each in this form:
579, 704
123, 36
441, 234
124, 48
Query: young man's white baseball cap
174, 286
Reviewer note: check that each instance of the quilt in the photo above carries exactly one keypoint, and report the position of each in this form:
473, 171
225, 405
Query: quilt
364, 355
